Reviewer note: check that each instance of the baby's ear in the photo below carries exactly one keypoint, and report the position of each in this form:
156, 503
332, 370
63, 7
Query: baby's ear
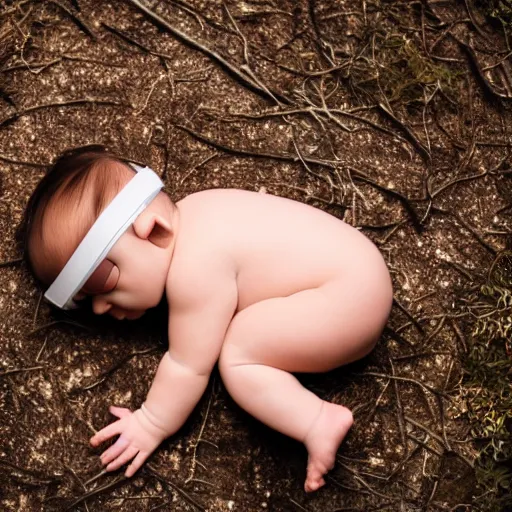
154, 228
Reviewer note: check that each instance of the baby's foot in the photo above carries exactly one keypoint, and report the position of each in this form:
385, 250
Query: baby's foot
323, 440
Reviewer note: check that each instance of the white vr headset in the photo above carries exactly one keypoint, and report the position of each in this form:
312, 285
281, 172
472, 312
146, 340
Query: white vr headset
115, 219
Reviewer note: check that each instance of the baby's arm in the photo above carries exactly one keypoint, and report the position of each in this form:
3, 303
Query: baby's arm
197, 327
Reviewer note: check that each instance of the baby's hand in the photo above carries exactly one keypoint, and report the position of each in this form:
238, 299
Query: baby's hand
138, 438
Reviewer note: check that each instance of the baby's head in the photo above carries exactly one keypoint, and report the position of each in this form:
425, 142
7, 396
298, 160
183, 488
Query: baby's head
62, 209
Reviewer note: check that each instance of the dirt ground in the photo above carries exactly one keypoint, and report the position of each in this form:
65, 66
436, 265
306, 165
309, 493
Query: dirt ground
391, 115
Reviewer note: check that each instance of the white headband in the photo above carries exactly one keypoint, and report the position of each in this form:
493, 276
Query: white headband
113, 221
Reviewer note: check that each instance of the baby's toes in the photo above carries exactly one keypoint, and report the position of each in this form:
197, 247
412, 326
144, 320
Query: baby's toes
314, 478
313, 485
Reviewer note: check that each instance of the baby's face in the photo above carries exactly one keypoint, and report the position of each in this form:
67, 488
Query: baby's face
130, 280
132, 277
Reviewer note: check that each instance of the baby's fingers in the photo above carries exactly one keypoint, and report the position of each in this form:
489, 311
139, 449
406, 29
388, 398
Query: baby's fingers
136, 464
120, 412
106, 433
126, 456
114, 451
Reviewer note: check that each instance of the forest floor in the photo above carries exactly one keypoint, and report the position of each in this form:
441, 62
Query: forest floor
391, 115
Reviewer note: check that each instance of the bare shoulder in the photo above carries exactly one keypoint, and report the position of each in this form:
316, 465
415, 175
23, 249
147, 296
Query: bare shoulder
202, 265
227, 197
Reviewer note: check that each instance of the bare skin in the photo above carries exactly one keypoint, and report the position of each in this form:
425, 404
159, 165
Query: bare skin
264, 286
326, 434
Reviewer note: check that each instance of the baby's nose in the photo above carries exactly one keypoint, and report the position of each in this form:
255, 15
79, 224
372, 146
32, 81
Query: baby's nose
100, 306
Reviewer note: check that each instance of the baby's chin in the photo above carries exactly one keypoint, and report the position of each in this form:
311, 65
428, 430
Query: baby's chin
125, 314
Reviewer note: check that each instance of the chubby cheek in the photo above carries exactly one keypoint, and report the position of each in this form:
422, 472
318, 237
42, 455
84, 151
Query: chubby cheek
142, 298
150, 291
152, 299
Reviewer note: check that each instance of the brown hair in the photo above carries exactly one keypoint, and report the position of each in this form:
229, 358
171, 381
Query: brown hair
69, 176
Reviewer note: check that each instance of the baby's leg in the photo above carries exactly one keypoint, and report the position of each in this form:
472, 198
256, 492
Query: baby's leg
310, 331
277, 399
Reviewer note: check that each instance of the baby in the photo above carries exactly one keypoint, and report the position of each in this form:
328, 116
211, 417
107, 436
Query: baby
264, 286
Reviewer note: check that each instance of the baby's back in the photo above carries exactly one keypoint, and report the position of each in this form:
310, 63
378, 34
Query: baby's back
275, 246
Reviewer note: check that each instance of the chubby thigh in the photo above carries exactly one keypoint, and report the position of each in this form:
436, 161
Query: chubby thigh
313, 330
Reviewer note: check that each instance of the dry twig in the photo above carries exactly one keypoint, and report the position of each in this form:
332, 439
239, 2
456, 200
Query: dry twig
233, 70
59, 104
11, 263
151, 470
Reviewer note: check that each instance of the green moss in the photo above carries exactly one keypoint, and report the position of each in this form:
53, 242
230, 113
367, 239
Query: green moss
488, 387
396, 68
498, 10
411, 70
